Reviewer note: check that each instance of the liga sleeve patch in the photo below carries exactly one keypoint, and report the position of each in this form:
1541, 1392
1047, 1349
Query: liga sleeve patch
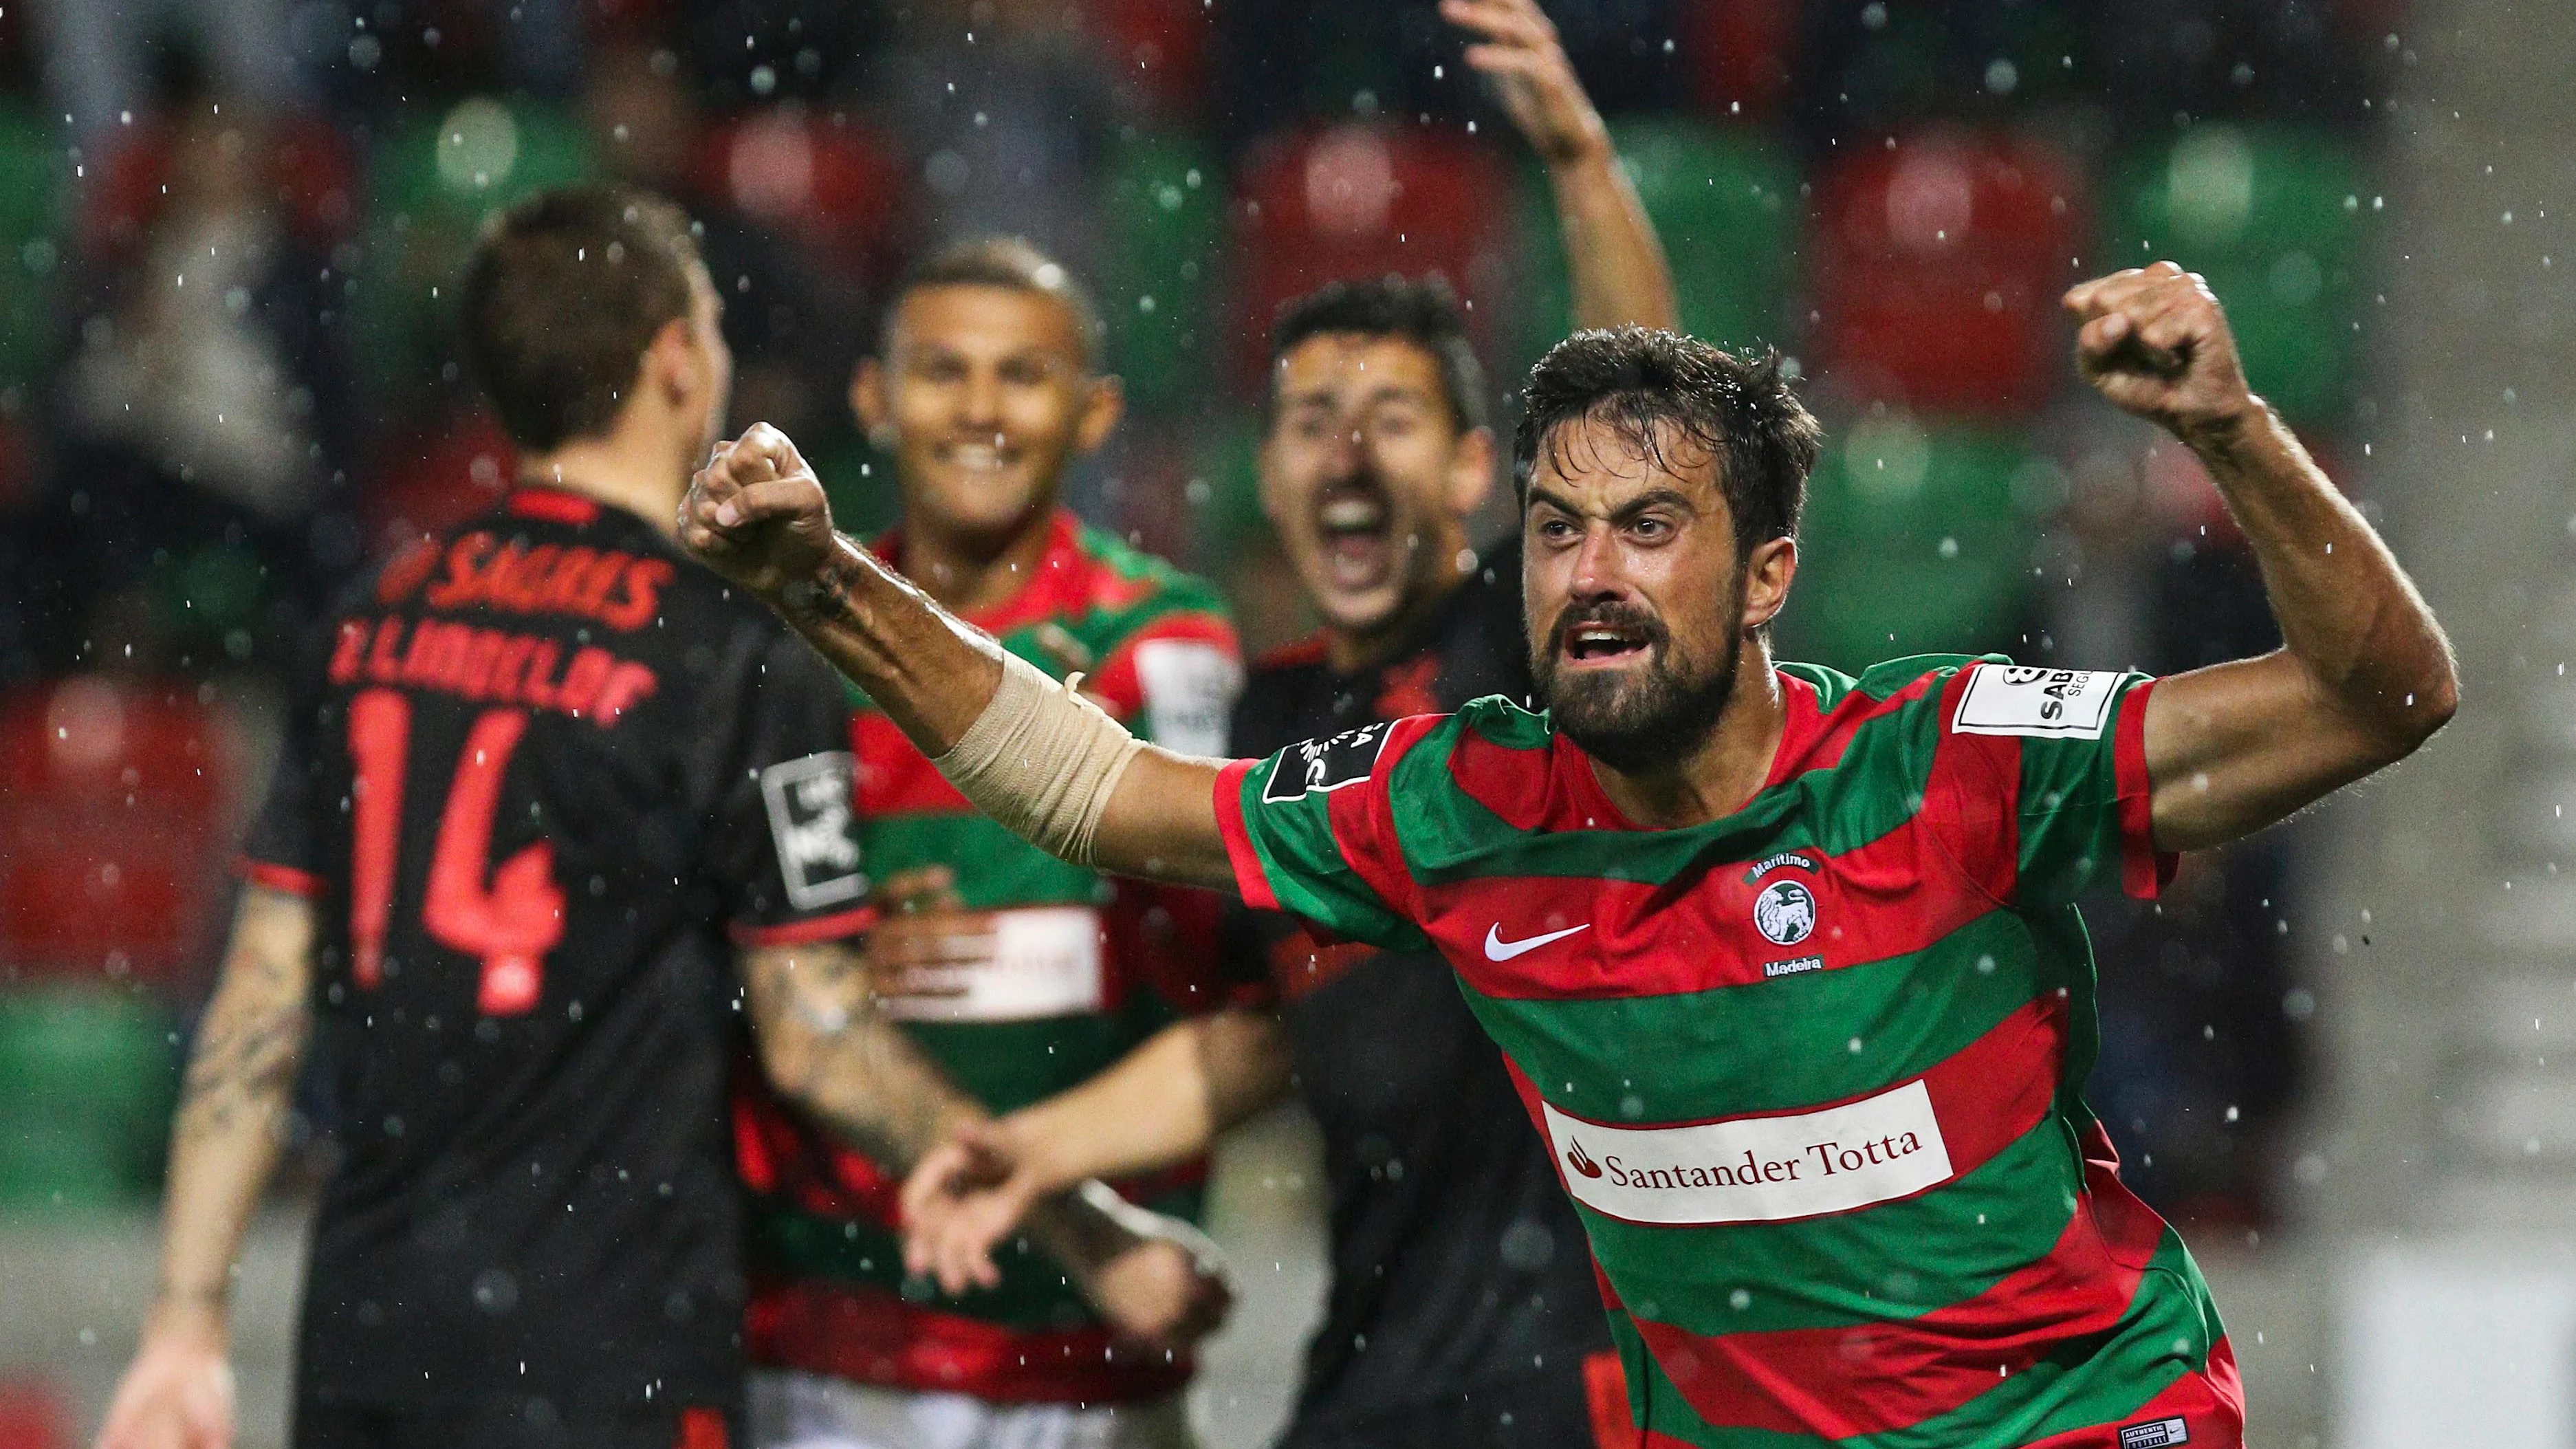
811, 823
2005, 699
1189, 687
1319, 767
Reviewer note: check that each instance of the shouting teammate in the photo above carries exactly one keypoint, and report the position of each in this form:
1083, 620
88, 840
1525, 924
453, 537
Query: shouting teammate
1461, 1310
1019, 974
549, 788
1786, 963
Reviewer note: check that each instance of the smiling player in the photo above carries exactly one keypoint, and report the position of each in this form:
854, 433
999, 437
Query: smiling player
1837, 1172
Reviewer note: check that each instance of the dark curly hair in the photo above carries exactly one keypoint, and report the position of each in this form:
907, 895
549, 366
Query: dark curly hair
1425, 313
1655, 386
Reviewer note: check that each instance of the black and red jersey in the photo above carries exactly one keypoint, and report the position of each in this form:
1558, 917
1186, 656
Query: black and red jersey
544, 779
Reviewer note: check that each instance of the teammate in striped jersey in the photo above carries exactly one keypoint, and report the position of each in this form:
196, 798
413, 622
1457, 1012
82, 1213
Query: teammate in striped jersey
1786, 962
1018, 974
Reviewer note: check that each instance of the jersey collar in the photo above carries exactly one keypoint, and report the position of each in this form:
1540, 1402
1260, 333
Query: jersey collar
1801, 731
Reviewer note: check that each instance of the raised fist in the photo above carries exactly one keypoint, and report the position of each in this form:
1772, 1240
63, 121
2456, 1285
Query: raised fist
2155, 342
756, 513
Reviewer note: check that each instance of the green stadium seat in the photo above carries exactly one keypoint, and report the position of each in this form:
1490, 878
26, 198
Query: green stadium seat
1727, 207
35, 169
433, 184
1916, 540
2272, 217
87, 1080
1163, 208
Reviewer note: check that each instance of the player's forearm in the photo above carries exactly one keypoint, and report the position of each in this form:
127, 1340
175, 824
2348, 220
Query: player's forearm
1616, 260
1164, 1103
827, 1047
234, 1104
2349, 616
931, 672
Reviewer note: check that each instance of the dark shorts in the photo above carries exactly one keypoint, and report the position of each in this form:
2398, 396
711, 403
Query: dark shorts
512, 1424
1550, 1409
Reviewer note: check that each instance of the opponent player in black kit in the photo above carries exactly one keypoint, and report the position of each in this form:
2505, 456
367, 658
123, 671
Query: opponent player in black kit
548, 788
1462, 1309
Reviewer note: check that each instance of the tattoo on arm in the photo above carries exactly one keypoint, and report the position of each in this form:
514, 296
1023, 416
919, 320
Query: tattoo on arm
828, 1048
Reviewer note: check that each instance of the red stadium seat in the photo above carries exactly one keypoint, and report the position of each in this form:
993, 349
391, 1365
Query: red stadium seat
310, 166
1158, 47
1364, 201
34, 1415
116, 806
1939, 265
830, 182
1736, 54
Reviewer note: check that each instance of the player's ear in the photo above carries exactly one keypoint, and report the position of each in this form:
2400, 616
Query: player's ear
669, 363
1104, 402
1471, 472
1768, 572
868, 400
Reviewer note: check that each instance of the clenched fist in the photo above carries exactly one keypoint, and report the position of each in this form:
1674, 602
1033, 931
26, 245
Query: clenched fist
756, 514
2154, 341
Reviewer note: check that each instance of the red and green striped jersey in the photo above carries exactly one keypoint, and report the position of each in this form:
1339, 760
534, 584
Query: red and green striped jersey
1811, 1072
1080, 972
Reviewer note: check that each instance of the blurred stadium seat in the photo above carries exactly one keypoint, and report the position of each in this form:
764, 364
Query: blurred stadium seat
32, 179
1367, 201
1726, 204
1915, 541
92, 1073
1159, 48
833, 184
1939, 262
1736, 54
116, 806
34, 1414
428, 482
1163, 210
2272, 217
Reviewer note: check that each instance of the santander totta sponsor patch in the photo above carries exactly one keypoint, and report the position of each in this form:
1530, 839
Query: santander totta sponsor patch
1755, 1169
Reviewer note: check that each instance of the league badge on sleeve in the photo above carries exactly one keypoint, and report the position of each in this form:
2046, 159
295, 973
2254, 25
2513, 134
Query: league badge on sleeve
1322, 766
811, 824
2007, 699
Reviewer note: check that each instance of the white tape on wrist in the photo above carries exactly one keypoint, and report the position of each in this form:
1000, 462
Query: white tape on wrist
1042, 760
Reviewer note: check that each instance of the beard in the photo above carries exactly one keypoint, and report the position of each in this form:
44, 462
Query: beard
1642, 718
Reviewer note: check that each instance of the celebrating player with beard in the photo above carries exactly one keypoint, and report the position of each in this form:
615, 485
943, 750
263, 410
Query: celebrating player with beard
1786, 963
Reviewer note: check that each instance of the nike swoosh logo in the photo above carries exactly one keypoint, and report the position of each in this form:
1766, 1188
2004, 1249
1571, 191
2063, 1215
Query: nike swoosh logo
1498, 949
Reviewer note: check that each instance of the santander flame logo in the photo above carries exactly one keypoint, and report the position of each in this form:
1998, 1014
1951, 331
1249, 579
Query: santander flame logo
1581, 1161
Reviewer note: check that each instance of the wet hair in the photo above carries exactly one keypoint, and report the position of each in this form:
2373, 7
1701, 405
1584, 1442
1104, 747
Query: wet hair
1652, 387
1009, 262
1425, 313
563, 294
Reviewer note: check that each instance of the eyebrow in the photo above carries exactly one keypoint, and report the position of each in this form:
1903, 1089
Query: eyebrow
1381, 393
1651, 498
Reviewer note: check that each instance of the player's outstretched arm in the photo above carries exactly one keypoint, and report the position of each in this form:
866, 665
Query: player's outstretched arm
2364, 674
1163, 1103
1025, 749
224, 1143
827, 1047
1617, 262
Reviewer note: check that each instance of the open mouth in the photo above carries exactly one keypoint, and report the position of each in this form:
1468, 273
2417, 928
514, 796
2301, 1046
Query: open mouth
1597, 644
980, 458
1353, 524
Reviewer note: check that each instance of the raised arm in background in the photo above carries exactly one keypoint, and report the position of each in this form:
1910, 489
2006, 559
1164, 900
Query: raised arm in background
827, 1047
757, 515
1618, 265
223, 1145
2364, 674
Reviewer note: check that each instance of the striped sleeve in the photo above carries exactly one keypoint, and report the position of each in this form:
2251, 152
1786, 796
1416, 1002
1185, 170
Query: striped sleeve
1311, 831
2072, 745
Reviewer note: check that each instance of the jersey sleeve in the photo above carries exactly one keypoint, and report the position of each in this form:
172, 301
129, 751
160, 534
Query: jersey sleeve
1311, 831
283, 851
785, 845
2068, 747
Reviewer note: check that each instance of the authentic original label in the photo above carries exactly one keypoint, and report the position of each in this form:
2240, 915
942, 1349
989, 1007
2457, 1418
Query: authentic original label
1041, 961
1755, 1169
